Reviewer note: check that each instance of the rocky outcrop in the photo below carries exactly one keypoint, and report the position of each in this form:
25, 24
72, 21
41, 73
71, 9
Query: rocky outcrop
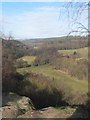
9, 111
14, 105
51, 112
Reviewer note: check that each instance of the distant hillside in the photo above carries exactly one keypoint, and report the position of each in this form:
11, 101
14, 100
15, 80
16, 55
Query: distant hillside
66, 42
18, 48
54, 39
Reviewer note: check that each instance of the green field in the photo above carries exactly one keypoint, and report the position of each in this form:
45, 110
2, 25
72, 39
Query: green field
83, 52
60, 77
28, 59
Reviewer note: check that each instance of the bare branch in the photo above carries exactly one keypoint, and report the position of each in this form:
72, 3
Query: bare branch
77, 9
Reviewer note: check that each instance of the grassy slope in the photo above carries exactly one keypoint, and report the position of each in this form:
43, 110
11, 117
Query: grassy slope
82, 51
28, 59
60, 78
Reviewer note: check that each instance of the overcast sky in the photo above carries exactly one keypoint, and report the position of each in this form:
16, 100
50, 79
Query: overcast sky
37, 19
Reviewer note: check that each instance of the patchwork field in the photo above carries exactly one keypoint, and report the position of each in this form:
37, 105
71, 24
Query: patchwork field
82, 52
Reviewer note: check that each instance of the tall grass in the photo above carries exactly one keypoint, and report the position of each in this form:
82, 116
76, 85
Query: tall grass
53, 89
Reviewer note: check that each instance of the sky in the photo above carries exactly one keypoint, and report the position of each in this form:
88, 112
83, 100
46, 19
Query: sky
25, 20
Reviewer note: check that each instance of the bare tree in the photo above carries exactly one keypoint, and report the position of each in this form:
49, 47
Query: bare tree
6, 37
76, 11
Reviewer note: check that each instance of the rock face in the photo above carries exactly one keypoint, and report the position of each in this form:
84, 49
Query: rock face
48, 112
14, 105
9, 112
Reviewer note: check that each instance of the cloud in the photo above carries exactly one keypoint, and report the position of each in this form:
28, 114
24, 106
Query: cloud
42, 22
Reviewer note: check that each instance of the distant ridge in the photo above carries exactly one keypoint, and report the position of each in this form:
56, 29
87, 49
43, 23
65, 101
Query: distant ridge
54, 39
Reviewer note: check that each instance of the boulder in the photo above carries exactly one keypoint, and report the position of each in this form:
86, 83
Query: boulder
14, 105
